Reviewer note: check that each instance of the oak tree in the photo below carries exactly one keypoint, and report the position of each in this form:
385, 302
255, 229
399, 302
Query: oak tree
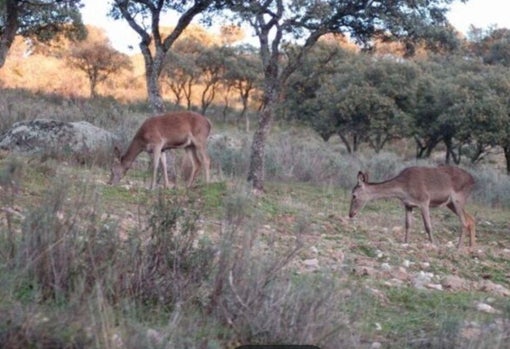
144, 17
97, 59
38, 20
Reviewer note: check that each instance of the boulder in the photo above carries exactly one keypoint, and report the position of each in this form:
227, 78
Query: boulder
77, 140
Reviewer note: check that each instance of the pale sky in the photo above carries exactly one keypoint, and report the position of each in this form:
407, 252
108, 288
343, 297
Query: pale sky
480, 13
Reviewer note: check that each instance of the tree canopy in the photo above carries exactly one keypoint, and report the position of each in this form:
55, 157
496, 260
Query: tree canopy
277, 21
97, 59
38, 20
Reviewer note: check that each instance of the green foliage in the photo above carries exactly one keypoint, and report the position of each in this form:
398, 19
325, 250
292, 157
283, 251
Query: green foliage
363, 99
461, 104
45, 20
42, 21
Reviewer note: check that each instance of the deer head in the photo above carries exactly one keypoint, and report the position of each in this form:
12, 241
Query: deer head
359, 194
117, 170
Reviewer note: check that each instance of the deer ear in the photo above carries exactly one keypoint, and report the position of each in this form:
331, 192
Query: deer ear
362, 177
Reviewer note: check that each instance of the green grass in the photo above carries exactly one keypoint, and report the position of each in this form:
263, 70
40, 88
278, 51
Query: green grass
409, 313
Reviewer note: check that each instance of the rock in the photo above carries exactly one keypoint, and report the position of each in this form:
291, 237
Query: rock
406, 263
425, 265
421, 279
493, 288
454, 283
437, 287
385, 266
486, 308
312, 263
57, 138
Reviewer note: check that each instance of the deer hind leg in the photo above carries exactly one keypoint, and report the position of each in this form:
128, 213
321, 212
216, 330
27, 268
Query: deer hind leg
465, 223
203, 160
165, 172
194, 166
425, 213
206, 162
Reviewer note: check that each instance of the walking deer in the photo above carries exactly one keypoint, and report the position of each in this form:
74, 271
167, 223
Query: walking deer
421, 187
186, 130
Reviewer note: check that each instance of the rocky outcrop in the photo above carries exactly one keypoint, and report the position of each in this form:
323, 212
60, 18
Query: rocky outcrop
76, 140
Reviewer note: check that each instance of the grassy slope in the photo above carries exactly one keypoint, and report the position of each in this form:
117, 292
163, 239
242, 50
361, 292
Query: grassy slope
366, 254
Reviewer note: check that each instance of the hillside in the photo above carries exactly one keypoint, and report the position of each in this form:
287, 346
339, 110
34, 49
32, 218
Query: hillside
86, 264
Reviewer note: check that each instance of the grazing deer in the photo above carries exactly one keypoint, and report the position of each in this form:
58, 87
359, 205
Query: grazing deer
421, 187
187, 130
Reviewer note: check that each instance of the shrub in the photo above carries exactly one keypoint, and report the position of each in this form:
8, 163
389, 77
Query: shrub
172, 262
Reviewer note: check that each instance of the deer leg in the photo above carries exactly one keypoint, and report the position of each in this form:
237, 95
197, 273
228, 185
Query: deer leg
198, 162
206, 162
409, 217
425, 213
164, 167
156, 156
471, 227
465, 222
192, 157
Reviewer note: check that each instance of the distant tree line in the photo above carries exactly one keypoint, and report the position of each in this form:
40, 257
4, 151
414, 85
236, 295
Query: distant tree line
459, 99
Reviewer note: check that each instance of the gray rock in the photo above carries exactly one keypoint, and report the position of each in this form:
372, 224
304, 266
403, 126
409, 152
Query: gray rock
51, 137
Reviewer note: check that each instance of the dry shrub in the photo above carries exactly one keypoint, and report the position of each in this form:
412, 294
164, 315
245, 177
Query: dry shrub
172, 263
65, 248
258, 295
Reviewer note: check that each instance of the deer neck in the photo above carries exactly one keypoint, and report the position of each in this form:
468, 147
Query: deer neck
130, 155
386, 190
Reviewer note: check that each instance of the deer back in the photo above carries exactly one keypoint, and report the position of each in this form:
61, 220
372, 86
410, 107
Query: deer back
175, 129
435, 182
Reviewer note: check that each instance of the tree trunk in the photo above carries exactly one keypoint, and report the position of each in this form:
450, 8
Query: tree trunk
270, 99
152, 70
507, 158
345, 141
256, 171
10, 28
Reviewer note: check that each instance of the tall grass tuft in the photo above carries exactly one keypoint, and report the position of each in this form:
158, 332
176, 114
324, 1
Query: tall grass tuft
64, 247
172, 262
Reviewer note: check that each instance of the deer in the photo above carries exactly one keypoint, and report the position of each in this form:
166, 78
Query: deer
421, 187
175, 130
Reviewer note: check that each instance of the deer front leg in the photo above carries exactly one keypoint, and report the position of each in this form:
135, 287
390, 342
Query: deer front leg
409, 211
156, 156
471, 228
